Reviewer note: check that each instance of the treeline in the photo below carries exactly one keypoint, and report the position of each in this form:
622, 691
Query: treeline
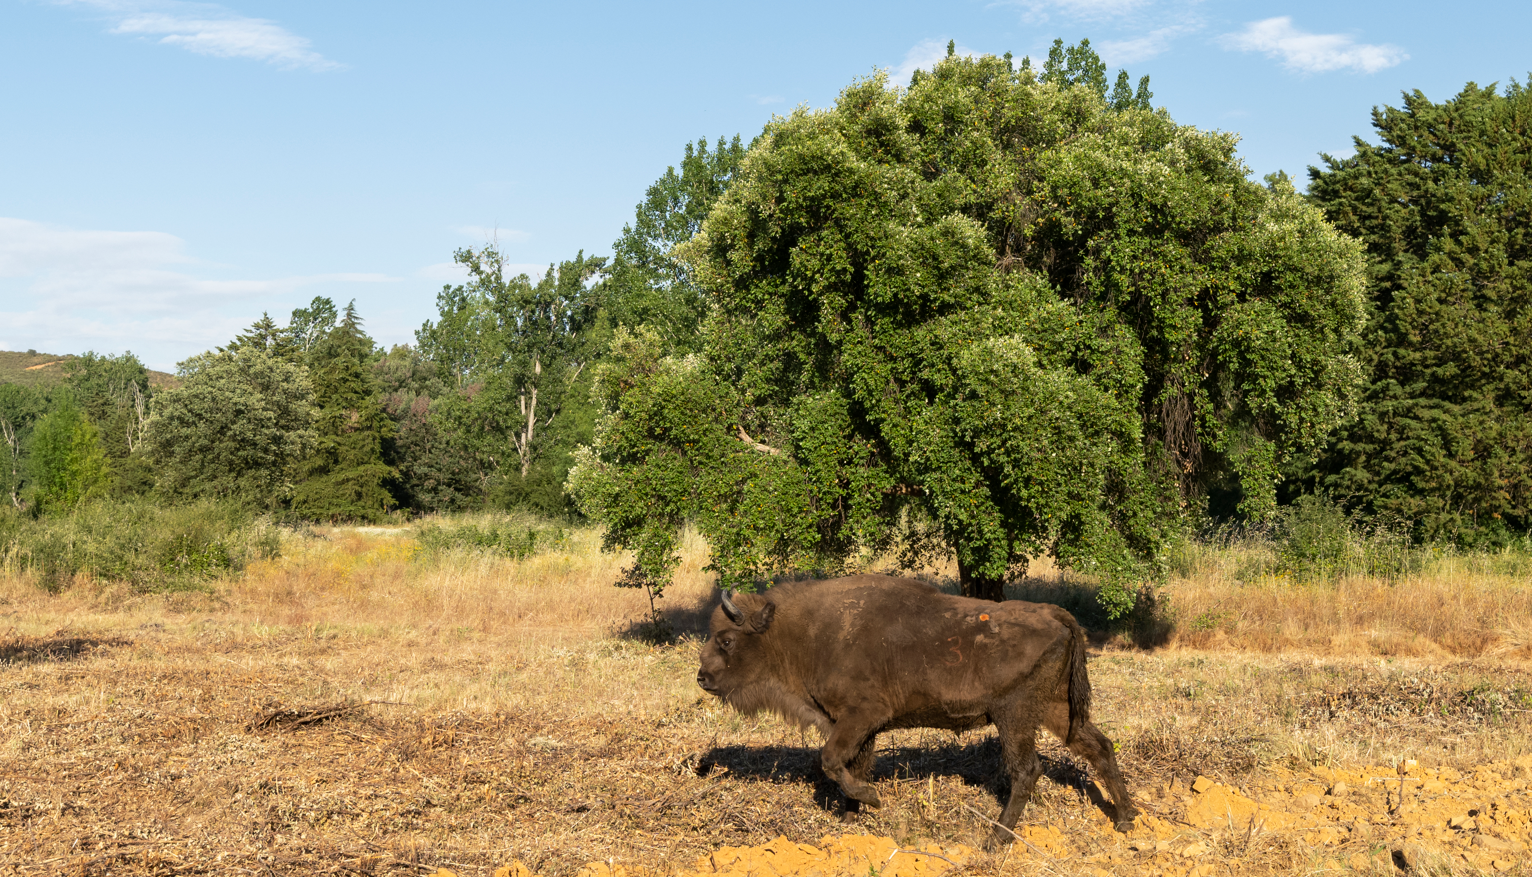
313, 420
772, 348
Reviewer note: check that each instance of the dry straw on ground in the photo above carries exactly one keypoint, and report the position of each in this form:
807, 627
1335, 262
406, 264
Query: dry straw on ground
358, 707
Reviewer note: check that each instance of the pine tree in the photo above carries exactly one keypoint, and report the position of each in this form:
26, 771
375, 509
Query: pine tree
347, 477
1444, 435
264, 334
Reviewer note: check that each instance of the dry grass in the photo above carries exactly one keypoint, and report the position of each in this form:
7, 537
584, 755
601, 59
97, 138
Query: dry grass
355, 707
1456, 605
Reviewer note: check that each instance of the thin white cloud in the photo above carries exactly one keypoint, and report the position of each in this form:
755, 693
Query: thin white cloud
443, 272
1037, 11
923, 56
66, 290
209, 29
766, 99
1311, 52
1116, 53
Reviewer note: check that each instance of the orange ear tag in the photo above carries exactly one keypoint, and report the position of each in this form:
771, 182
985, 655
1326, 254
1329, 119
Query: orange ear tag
983, 617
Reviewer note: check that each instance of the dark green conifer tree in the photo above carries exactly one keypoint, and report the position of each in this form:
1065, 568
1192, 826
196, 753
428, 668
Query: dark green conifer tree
265, 335
1443, 437
347, 477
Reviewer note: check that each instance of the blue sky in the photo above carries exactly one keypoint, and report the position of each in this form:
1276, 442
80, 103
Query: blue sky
169, 170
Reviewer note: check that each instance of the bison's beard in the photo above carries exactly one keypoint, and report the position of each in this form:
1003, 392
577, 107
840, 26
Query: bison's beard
769, 696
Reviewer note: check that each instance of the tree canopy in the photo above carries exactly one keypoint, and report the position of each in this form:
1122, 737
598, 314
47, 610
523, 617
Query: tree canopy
20, 408
235, 428
988, 314
517, 350
67, 461
646, 284
1443, 203
346, 477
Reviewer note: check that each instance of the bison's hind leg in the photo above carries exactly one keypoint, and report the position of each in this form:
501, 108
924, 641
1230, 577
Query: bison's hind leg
1094, 747
1017, 729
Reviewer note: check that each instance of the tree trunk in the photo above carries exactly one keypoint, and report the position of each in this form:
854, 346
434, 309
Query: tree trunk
9, 433
528, 411
980, 587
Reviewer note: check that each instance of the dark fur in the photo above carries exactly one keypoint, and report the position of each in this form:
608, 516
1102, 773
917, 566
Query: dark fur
859, 655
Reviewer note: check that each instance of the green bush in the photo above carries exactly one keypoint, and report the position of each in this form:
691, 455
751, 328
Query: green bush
151, 547
515, 537
1316, 540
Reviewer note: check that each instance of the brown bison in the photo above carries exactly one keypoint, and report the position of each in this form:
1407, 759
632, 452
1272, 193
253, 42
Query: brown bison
860, 655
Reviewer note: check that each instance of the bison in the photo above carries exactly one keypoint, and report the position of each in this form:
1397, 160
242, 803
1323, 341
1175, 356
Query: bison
863, 654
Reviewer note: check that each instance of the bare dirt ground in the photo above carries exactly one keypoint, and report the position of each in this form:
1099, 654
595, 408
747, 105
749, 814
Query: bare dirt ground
374, 721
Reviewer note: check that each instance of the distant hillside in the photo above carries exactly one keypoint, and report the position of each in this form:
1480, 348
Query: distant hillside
47, 370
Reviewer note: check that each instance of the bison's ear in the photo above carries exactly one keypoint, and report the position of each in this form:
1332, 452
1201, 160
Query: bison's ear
762, 618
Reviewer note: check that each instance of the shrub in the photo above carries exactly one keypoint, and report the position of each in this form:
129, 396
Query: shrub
152, 548
515, 537
1316, 540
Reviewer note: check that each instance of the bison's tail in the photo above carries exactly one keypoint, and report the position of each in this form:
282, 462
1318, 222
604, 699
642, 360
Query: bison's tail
1079, 681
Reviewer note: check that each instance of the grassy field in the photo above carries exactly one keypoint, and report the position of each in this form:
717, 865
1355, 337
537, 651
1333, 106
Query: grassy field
362, 703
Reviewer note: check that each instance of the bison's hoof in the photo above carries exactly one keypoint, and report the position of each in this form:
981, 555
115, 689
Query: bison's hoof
1125, 824
997, 840
863, 793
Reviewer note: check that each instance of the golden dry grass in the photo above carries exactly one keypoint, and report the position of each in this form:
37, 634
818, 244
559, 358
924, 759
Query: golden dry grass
486, 710
1457, 605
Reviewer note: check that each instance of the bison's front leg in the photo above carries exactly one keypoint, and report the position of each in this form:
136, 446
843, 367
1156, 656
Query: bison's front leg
847, 759
860, 768
1017, 729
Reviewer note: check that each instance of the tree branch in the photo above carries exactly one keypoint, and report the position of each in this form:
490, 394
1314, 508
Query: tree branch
765, 449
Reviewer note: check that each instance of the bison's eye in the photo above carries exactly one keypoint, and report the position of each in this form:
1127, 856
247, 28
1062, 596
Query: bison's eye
726, 642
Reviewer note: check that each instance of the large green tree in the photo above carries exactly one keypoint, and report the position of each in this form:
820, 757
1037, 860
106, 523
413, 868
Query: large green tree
435, 473
346, 476
20, 407
306, 328
114, 392
989, 315
67, 461
646, 284
264, 334
234, 429
1443, 203
518, 350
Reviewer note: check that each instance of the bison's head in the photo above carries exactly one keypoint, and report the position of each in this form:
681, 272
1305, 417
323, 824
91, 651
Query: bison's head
732, 656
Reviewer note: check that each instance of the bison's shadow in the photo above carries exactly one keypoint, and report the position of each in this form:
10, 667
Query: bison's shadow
976, 763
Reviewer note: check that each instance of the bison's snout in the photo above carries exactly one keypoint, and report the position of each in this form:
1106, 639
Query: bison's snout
706, 681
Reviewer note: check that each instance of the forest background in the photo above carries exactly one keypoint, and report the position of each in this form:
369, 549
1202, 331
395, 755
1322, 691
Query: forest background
1397, 407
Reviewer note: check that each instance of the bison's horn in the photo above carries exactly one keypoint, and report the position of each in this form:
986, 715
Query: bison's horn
731, 610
